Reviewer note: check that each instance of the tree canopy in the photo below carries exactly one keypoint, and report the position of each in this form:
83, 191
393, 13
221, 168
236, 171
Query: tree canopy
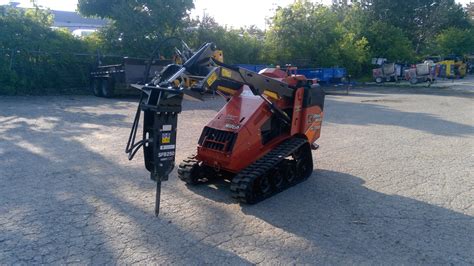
455, 41
304, 33
421, 20
137, 26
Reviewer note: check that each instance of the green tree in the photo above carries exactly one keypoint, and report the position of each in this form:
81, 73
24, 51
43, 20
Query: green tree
455, 41
353, 18
420, 20
303, 34
470, 11
353, 48
389, 42
353, 54
137, 26
326, 36
244, 45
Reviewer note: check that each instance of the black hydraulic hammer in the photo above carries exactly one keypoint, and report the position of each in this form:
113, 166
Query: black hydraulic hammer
161, 105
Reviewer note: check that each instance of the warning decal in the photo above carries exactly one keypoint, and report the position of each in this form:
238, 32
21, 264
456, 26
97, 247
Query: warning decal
166, 138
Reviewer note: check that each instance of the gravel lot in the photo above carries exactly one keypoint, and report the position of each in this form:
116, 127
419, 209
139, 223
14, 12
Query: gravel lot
394, 184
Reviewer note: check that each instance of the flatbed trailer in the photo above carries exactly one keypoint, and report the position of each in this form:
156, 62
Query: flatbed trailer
107, 80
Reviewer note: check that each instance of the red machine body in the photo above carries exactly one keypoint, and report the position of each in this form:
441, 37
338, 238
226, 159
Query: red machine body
261, 139
246, 129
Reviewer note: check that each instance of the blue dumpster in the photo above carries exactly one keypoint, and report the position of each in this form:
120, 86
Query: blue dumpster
254, 68
324, 75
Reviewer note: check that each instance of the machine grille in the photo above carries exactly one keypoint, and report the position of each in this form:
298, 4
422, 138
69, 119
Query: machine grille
219, 140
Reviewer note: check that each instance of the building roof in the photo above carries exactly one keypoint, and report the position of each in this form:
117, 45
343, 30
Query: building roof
74, 19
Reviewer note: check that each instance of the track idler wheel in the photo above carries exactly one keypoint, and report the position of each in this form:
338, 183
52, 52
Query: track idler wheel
189, 171
304, 162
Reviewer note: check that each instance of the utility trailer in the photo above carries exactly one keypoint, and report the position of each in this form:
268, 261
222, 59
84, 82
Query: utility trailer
107, 80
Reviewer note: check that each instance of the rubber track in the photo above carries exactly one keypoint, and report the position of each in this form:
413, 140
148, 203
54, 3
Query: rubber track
241, 184
185, 168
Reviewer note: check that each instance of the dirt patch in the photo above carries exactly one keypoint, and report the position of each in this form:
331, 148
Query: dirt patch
381, 101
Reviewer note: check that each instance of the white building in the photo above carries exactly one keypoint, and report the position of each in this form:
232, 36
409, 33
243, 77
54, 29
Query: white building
72, 21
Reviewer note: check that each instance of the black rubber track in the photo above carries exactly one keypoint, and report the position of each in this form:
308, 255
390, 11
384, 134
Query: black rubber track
243, 184
187, 170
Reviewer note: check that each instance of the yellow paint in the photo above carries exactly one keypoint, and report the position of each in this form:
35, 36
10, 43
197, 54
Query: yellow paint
219, 56
226, 73
226, 90
271, 94
451, 65
212, 78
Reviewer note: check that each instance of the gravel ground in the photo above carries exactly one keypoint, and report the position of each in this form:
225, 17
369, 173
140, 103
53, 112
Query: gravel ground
393, 184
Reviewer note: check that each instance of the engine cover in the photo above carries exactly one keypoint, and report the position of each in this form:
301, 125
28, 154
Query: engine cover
233, 139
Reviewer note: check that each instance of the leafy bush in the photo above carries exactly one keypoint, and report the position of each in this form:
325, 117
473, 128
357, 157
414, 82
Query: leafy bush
34, 59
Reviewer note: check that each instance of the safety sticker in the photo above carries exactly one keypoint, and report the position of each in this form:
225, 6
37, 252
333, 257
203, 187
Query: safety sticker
226, 73
165, 154
212, 78
165, 138
167, 147
231, 126
166, 128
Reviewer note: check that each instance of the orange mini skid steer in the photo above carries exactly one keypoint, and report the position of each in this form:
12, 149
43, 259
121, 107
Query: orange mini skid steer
262, 138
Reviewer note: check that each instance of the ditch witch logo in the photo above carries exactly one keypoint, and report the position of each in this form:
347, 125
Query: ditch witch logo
165, 138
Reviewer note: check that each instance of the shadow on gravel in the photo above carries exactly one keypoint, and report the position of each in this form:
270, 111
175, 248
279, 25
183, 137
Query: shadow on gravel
217, 190
369, 113
61, 200
338, 214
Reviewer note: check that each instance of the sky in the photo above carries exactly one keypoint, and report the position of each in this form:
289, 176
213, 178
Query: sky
233, 13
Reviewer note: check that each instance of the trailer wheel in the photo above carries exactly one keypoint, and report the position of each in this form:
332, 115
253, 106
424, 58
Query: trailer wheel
378, 80
95, 87
413, 81
107, 87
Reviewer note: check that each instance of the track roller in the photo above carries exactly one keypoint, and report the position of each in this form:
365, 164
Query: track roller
288, 164
194, 172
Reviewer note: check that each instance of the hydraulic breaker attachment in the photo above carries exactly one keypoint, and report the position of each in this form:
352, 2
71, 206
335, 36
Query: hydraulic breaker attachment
161, 105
